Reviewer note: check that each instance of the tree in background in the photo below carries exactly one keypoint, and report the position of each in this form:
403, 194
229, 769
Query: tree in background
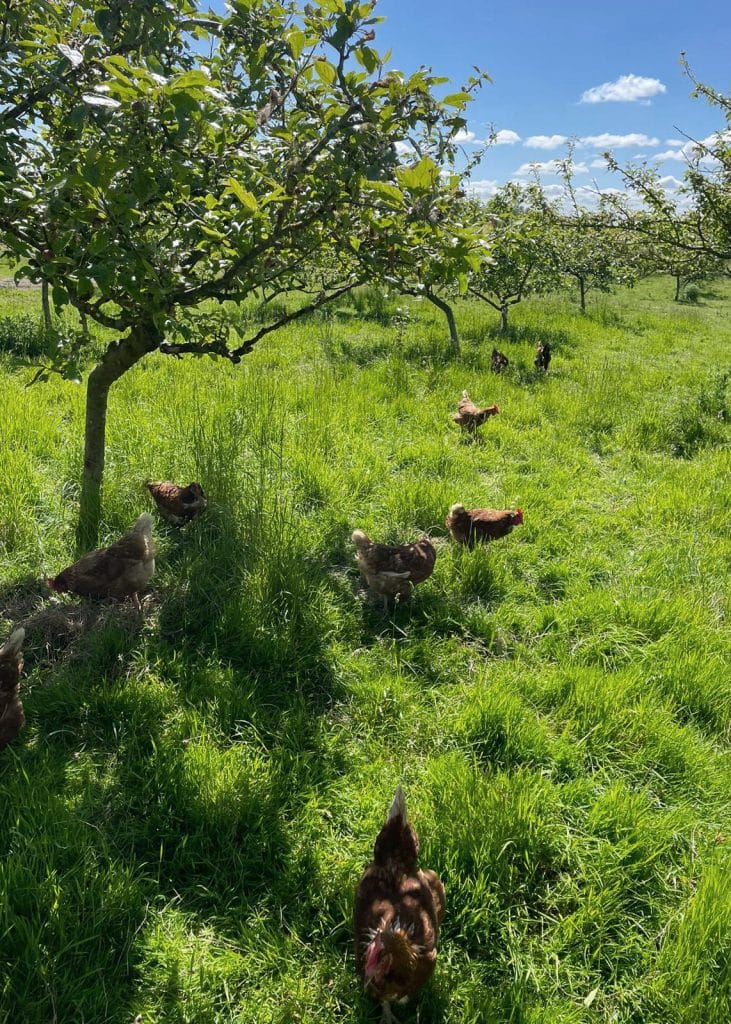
698, 220
516, 228
154, 162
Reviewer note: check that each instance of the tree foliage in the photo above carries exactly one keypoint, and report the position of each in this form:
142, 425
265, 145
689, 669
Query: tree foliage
153, 160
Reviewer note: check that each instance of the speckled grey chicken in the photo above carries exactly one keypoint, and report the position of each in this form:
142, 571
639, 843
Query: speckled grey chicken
398, 911
12, 718
393, 570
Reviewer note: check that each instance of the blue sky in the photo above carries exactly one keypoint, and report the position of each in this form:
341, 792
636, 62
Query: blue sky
544, 57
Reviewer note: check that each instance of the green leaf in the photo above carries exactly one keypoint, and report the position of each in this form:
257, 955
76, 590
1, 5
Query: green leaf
456, 99
325, 71
296, 40
247, 198
420, 177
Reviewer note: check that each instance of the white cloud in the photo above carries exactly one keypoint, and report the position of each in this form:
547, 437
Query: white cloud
669, 183
693, 150
599, 164
464, 137
627, 89
404, 149
482, 187
609, 141
549, 167
506, 137
673, 142
545, 141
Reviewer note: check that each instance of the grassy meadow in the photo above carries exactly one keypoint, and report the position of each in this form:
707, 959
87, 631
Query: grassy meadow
185, 817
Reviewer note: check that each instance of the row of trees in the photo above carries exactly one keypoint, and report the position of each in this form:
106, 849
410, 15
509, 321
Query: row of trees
156, 163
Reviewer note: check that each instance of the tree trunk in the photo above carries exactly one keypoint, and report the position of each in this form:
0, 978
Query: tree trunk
677, 288
117, 359
582, 295
447, 310
504, 318
45, 303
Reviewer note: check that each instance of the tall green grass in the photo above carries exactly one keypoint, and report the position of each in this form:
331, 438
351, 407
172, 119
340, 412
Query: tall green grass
185, 817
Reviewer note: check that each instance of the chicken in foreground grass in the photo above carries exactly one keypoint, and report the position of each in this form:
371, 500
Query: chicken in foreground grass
122, 570
470, 416
498, 361
12, 718
177, 504
476, 525
393, 570
398, 912
543, 357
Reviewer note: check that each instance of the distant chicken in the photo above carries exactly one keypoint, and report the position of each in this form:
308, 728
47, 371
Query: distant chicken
392, 570
543, 356
177, 504
476, 525
12, 718
398, 912
121, 570
498, 361
469, 416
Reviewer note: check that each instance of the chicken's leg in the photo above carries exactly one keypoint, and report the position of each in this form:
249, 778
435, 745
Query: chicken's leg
387, 1016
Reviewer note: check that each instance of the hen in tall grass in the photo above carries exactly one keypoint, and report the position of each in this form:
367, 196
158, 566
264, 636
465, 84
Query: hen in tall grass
175, 503
476, 525
398, 912
470, 416
393, 570
12, 718
122, 570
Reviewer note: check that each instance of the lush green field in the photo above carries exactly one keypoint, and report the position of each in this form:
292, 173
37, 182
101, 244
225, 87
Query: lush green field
185, 817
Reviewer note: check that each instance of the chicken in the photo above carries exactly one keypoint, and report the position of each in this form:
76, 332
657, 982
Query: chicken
543, 356
398, 912
121, 570
12, 718
476, 525
392, 570
469, 416
177, 504
498, 361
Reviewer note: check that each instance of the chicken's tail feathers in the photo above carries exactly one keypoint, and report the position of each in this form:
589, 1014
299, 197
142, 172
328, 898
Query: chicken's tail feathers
465, 396
397, 810
13, 644
360, 539
143, 524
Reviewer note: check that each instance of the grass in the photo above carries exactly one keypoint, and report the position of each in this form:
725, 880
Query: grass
185, 817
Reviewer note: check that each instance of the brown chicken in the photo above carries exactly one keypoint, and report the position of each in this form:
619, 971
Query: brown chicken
12, 718
469, 416
393, 570
498, 361
476, 525
177, 504
543, 356
398, 912
121, 570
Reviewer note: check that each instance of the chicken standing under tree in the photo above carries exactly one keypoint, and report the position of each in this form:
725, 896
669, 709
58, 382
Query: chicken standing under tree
12, 718
476, 525
177, 504
122, 570
470, 416
398, 912
543, 357
393, 570
498, 361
